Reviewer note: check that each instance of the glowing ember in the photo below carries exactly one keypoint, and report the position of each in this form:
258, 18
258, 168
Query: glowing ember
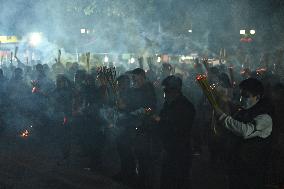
35, 86
207, 89
65, 120
200, 77
35, 90
25, 134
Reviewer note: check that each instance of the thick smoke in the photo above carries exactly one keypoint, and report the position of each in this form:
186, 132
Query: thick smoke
143, 27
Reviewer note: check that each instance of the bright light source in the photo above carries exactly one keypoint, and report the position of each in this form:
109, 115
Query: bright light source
190, 31
88, 31
83, 30
252, 32
132, 60
106, 59
182, 58
242, 32
35, 39
159, 59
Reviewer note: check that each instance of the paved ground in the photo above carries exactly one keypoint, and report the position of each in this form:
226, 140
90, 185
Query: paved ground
31, 164
24, 165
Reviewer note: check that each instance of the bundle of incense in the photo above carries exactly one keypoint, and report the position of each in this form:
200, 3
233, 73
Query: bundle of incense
88, 54
112, 78
109, 75
207, 90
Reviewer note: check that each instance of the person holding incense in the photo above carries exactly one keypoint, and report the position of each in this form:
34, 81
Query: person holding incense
144, 98
250, 140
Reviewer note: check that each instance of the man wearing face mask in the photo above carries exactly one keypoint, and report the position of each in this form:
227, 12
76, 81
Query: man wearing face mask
250, 140
175, 123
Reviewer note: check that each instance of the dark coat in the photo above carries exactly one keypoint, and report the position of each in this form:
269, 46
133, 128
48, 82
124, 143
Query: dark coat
175, 131
176, 123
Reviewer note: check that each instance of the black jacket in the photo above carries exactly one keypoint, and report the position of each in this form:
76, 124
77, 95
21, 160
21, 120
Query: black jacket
250, 153
176, 123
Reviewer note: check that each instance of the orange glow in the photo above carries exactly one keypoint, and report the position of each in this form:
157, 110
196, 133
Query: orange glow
200, 77
25, 134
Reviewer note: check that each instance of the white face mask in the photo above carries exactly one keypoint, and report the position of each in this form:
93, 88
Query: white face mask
247, 103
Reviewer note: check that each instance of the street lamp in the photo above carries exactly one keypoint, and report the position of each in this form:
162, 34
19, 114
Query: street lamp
106, 59
252, 32
132, 60
83, 30
159, 59
242, 32
35, 39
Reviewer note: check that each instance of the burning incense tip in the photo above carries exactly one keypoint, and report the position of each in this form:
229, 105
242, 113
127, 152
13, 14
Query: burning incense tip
34, 90
200, 77
25, 134
65, 120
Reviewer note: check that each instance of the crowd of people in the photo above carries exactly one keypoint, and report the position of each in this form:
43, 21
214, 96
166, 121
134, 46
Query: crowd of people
157, 118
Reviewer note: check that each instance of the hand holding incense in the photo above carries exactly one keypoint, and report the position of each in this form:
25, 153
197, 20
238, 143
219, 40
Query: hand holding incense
207, 90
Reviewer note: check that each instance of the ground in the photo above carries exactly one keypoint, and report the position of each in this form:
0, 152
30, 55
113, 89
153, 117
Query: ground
27, 163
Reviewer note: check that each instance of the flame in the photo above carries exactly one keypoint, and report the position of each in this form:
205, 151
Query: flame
25, 133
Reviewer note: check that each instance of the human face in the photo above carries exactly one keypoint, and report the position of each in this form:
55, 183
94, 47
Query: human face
138, 81
170, 95
247, 100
